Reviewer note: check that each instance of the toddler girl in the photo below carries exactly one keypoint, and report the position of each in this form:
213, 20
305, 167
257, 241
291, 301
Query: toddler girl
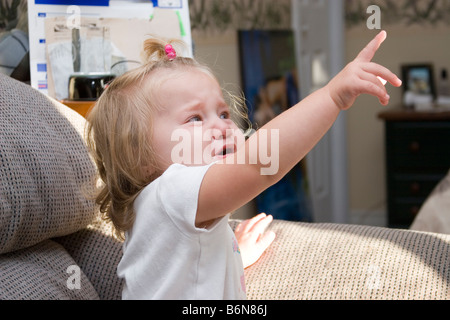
174, 165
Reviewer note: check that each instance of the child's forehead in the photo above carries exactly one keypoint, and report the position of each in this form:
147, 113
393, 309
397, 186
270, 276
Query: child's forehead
185, 72
189, 82
184, 87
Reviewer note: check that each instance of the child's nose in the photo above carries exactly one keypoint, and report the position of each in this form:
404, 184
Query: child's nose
220, 129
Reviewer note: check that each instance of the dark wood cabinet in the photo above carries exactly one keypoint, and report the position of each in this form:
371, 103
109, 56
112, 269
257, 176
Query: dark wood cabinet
417, 158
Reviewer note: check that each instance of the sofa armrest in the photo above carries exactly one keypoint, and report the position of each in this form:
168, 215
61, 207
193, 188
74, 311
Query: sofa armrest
334, 261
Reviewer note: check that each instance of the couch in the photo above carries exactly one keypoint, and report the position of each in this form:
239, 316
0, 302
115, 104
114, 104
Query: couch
434, 215
54, 246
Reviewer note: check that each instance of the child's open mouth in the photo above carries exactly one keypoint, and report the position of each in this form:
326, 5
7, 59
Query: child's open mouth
225, 151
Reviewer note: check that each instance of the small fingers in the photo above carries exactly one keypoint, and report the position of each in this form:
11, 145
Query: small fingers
369, 51
370, 84
383, 73
257, 226
261, 225
266, 240
376, 80
247, 225
375, 87
383, 82
254, 221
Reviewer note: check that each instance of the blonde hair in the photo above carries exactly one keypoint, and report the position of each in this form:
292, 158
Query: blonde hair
119, 131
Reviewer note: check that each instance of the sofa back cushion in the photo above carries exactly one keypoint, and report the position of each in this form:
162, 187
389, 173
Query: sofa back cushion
326, 261
45, 169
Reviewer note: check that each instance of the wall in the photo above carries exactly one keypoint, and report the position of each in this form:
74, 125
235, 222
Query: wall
412, 37
405, 44
214, 25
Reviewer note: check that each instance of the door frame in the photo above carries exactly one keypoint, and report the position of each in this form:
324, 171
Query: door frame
327, 163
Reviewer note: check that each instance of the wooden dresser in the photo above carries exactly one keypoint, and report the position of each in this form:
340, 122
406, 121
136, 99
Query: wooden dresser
82, 107
417, 158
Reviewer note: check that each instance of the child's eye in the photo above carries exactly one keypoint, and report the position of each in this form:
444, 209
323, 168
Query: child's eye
225, 115
195, 119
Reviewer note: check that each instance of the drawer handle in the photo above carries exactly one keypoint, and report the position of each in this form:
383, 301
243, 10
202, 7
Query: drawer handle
414, 147
414, 210
414, 188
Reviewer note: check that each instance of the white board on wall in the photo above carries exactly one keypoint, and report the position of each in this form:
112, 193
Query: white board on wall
39, 10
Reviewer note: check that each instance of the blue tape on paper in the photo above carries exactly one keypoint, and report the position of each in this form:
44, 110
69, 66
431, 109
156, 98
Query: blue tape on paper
42, 67
101, 3
167, 4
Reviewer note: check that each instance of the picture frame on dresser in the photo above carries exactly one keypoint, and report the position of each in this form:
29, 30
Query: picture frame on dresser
418, 84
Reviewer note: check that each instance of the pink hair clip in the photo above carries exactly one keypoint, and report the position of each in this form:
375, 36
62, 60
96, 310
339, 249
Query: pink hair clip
170, 52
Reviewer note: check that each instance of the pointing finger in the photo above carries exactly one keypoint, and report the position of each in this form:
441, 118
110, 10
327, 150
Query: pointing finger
369, 51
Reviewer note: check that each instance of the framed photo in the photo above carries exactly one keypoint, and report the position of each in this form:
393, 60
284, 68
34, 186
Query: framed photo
418, 79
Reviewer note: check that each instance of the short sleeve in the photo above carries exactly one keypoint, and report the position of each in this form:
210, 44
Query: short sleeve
178, 192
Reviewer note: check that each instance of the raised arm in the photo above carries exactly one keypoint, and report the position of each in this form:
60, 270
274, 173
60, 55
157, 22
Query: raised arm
227, 187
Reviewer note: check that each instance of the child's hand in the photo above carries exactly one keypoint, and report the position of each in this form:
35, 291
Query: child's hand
361, 76
252, 239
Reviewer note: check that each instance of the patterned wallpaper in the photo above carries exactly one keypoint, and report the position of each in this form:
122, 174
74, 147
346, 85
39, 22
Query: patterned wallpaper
219, 16
405, 12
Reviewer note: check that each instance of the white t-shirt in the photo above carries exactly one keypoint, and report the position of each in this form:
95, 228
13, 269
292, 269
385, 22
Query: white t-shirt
167, 257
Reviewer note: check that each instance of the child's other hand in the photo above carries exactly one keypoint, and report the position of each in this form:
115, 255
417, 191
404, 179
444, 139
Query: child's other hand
252, 238
361, 76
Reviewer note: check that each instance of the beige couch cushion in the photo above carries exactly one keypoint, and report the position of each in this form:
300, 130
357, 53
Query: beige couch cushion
44, 166
42, 272
332, 261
